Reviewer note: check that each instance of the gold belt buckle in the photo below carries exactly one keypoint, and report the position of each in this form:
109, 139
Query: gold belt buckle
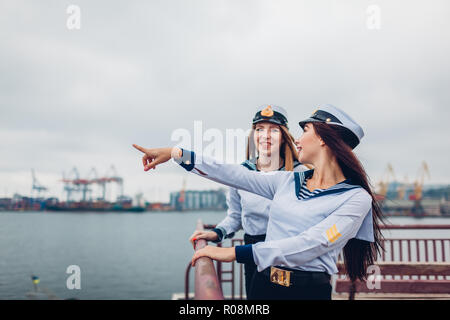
280, 276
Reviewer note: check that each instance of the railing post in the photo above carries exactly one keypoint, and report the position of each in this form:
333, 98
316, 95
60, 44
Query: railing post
186, 282
207, 286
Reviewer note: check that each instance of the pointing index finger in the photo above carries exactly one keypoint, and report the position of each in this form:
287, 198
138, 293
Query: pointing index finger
139, 148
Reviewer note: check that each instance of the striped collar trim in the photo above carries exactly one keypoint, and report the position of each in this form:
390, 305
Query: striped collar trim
299, 177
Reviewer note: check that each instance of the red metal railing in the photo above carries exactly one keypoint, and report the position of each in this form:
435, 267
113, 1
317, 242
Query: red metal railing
421, 250
399, 286
410, 250
396, 250
416, 226
231, 272
207, 285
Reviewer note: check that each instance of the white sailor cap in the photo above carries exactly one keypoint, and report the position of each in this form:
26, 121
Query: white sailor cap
271, 113
328, 113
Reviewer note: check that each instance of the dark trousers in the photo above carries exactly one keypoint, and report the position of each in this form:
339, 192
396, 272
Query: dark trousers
263, 289
250, 268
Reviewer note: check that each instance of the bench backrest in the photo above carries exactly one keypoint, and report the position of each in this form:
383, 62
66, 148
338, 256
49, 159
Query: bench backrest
376, 284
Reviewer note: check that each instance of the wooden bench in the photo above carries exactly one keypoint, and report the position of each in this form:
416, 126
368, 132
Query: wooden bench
437, 288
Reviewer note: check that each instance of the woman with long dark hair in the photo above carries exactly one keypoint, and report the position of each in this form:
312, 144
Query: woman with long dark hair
270, 147
314, 214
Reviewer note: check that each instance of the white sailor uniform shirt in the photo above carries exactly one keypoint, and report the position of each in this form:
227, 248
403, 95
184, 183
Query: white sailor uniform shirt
303, 234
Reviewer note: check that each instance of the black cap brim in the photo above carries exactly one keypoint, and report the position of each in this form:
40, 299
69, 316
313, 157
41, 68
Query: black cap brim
271, 120
347, 135
302, 123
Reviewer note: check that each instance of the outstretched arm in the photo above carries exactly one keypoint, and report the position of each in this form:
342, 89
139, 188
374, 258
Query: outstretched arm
233, 175
264, 184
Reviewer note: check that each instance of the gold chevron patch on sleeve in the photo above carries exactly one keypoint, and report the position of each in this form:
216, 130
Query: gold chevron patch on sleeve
333, 234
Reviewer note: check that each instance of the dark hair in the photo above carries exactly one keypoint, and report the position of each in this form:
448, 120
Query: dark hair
358, 254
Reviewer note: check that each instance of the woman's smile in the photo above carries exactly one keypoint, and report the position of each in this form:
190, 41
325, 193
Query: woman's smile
266, 144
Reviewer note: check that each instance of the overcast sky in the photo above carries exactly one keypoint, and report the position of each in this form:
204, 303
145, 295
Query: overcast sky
138, 70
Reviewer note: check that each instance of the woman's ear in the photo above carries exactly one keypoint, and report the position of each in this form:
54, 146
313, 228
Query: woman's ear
321, 142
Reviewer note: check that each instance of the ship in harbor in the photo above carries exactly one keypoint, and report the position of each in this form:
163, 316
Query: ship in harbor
122, 204
79, 197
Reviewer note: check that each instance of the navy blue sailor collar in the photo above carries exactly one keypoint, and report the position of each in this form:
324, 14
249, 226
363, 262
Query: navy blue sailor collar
299, 177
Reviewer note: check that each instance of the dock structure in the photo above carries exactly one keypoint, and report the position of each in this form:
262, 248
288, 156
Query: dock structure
409, 268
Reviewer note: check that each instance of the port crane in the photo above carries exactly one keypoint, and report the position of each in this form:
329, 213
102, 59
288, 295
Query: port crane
36, 186
87, 182
401, 189
422, 173
384, 182
112, 176
69, 186
77, 184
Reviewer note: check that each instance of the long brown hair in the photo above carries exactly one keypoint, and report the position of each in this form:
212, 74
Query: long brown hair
288, 151
358, 254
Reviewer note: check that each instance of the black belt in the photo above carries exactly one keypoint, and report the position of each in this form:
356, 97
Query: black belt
279, 275
249, 239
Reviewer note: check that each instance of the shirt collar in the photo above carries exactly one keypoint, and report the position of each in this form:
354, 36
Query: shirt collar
337, 188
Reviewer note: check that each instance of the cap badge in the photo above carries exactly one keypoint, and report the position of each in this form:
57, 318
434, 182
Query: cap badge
267, 112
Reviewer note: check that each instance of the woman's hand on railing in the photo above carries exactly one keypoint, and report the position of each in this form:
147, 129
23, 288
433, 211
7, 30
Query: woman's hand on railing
215, 253
207, 235
153, 157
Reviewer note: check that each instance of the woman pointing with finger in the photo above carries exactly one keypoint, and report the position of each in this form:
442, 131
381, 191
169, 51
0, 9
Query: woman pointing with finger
314, 215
